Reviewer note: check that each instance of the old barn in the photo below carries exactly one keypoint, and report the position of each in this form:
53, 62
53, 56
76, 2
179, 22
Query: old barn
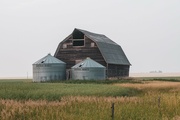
81, 44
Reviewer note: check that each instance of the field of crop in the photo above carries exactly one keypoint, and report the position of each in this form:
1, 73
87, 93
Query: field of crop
133, 100
55, 91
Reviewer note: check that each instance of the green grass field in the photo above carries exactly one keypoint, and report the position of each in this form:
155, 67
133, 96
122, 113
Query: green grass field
23, 90
134, 99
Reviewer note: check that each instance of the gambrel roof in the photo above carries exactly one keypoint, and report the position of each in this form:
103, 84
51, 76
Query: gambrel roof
111, 51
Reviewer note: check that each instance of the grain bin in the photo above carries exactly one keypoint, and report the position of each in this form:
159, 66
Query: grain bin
88, 69
49, 68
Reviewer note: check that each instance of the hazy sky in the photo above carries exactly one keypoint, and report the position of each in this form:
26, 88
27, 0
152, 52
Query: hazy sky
147, 30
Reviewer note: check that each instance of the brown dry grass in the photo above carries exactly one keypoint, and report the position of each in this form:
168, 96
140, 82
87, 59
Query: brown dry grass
65, 109
93, 107
155, 104
152, 85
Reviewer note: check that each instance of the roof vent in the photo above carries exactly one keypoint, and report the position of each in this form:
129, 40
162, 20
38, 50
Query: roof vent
43, 61
81, 65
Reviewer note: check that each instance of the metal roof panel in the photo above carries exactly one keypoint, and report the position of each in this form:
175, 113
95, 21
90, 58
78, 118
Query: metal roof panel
88, 63
111, 51
49, 59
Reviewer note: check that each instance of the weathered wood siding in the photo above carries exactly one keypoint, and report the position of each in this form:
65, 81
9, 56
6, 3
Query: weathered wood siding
72, 54
118, 70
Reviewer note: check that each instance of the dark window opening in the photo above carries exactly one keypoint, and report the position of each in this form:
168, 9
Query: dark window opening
78, 35
78, 43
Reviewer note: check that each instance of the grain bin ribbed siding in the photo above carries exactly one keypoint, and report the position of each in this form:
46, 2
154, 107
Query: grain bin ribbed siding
88, 69
49, 68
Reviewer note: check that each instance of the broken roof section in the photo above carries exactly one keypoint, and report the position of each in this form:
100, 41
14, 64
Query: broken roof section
111, 51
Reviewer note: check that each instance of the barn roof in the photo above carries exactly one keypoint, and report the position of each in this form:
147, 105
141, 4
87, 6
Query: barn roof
111, 51
49, 59
88, 63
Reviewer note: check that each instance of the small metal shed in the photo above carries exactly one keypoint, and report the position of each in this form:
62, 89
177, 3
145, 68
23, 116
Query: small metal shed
49, 68
88, 69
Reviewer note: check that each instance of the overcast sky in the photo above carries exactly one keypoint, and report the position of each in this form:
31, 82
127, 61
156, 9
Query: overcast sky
147, 30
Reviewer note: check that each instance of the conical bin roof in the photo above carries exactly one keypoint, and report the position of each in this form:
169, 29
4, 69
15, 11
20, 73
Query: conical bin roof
88, 63
49, 59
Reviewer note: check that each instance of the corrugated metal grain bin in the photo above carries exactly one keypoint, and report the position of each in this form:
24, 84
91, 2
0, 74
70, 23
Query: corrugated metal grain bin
49, 68
88, 69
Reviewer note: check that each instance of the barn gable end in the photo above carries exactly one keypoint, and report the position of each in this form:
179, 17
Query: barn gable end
82, 44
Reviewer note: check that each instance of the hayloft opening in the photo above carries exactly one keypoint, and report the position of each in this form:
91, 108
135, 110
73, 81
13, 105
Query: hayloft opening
78, 35
78, 42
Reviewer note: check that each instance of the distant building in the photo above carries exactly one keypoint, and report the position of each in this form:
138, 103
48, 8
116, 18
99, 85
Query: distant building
81, 44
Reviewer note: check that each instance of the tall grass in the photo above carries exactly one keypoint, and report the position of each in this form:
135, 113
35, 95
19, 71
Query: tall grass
172, 79
93, 108
54, 91
108, 81
60, 101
